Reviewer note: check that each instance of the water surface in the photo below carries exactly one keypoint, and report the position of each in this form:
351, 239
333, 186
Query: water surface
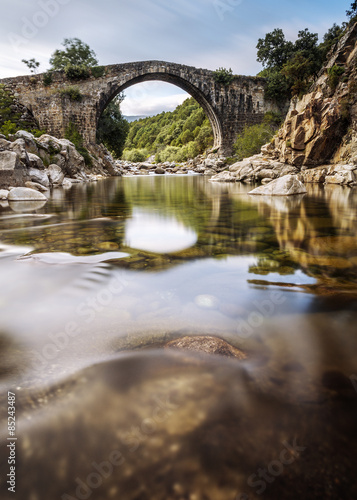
97, 281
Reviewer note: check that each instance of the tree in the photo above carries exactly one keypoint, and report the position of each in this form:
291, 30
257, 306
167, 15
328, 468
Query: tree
330, 38
32, 64
298, 71
113, 128
353, 10
274, 50
76, 54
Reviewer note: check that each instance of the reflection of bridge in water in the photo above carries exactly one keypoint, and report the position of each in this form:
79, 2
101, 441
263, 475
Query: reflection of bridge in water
207, 220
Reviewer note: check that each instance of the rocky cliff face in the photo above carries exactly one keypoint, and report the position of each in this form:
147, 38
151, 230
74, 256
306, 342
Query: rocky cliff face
321, 128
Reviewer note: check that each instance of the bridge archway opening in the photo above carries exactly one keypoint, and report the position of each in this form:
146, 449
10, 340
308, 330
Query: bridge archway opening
176, 81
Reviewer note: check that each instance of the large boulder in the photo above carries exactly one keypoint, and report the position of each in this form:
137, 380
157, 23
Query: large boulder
19, 147
55, 175
284, 186
30, 142
25, 194
39, 176
12, 171
35, 161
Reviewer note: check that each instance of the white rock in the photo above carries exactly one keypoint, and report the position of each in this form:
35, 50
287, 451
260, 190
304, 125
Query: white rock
55, 175
25, 194
36, 186
66, 184
39, 176
35, 161
4, 193
284, 186
224, 177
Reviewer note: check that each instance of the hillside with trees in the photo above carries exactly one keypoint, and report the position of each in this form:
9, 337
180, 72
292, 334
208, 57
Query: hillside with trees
171, 136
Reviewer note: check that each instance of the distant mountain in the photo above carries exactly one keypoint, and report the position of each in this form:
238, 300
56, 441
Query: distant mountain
132, 118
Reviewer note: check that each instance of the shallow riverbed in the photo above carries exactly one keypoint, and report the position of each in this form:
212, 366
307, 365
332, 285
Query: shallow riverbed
97, 281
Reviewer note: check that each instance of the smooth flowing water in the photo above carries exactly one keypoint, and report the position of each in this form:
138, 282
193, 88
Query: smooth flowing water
93, 286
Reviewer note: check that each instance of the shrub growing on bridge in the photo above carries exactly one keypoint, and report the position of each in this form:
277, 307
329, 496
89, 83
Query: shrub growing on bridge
223, 76
73, 93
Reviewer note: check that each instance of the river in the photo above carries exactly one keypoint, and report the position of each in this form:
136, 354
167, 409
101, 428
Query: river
95, 283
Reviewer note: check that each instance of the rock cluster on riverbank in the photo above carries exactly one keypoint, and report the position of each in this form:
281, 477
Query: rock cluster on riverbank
259, 168
42, 163
206, 165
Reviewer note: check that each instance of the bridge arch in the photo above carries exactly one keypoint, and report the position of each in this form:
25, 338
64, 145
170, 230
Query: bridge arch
173, 79
229, 108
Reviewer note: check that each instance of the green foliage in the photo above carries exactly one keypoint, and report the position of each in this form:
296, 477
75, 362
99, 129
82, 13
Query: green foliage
8, 128
330, 39
47, 78
291, 67
298, 71
186, 129
73, 93
334, 75
135, 155
32, 64
113, 128
98, 71
223, 76
254, 137
76, 53
76, 72
73, 135
352, 12
274, 50
277, 87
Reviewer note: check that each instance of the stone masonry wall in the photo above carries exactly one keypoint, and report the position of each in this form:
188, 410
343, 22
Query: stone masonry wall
229, 108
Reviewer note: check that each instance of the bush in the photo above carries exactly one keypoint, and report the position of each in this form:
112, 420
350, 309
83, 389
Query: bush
334, 75
98, 71
223, 76
253, 138
8, 128
47, 79
73, 93
73, 135
135, 155
76, 72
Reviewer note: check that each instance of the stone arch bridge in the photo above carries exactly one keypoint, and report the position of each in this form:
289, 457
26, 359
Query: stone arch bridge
229, 108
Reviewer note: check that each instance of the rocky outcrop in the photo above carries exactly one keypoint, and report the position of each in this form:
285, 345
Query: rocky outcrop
322, 127
49, 161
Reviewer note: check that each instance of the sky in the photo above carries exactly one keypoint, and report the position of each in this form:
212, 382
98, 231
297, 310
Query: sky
201, 33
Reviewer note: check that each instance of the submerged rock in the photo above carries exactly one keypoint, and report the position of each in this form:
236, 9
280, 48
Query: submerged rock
284, 186
208, 345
